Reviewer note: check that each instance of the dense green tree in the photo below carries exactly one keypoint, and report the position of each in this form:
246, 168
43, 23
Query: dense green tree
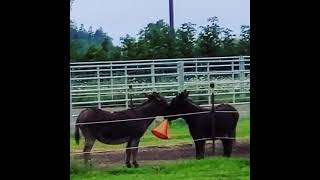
155, 41
209, 42
185, 40
91, 53
244, 43
228, 43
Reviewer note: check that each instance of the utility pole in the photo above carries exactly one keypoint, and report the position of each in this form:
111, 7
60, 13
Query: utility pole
171, 15
171, 30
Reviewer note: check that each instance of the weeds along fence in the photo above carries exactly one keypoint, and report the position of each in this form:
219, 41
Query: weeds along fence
111, 84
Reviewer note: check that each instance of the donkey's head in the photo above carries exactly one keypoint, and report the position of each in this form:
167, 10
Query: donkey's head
156, 103
180, 104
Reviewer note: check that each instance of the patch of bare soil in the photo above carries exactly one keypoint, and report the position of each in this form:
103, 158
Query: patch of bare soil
159, 155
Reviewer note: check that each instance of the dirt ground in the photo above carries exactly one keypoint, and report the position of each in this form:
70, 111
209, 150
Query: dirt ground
160, 155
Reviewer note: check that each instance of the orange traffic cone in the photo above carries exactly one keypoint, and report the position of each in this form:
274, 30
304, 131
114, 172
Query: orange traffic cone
162, 131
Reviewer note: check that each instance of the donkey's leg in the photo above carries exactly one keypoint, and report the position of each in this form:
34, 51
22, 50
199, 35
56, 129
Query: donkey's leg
228, 143
233, 135
200, 149
227, 147
213, 136
135, 144
213, 147
89, 142
128, 154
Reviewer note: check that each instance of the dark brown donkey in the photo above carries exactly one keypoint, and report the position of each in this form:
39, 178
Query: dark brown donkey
208, 125
120, 132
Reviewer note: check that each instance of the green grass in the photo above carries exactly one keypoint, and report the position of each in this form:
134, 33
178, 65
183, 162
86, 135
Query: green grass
210, 168
179, 134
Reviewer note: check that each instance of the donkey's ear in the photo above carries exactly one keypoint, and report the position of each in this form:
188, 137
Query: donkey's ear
147, 95
185, 94
155, 93
180, 95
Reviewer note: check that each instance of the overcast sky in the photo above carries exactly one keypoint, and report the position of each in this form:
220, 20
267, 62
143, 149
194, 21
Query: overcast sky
121, 17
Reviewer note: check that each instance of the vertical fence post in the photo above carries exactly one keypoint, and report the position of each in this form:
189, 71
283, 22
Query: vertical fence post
130, 95
208, 79
71, 118
180, 67
233, 83
126, 85
242, 75
99, 95
111, 80
197, 78
153, 78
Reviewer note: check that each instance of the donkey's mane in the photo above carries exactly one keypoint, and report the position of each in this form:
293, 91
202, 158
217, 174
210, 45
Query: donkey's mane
128, 112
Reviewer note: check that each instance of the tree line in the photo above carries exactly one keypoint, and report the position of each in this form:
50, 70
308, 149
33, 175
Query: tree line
157, 41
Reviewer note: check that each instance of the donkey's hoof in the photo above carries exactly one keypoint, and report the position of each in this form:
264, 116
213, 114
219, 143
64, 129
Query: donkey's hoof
136, 165
128, 165
226, 155
199, 157
88, 164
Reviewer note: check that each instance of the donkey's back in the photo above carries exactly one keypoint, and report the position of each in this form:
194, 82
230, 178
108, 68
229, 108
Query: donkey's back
226, 119
93, 115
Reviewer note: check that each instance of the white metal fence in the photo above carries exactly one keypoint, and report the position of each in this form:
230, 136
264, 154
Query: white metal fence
114, 83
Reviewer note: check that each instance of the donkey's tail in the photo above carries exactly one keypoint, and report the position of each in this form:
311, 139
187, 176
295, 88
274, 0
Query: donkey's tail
81, 118
77, 134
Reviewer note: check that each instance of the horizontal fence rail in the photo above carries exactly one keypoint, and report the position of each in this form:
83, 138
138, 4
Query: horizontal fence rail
115, 83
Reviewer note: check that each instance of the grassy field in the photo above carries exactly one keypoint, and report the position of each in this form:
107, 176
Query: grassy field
211, 168
179, 134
